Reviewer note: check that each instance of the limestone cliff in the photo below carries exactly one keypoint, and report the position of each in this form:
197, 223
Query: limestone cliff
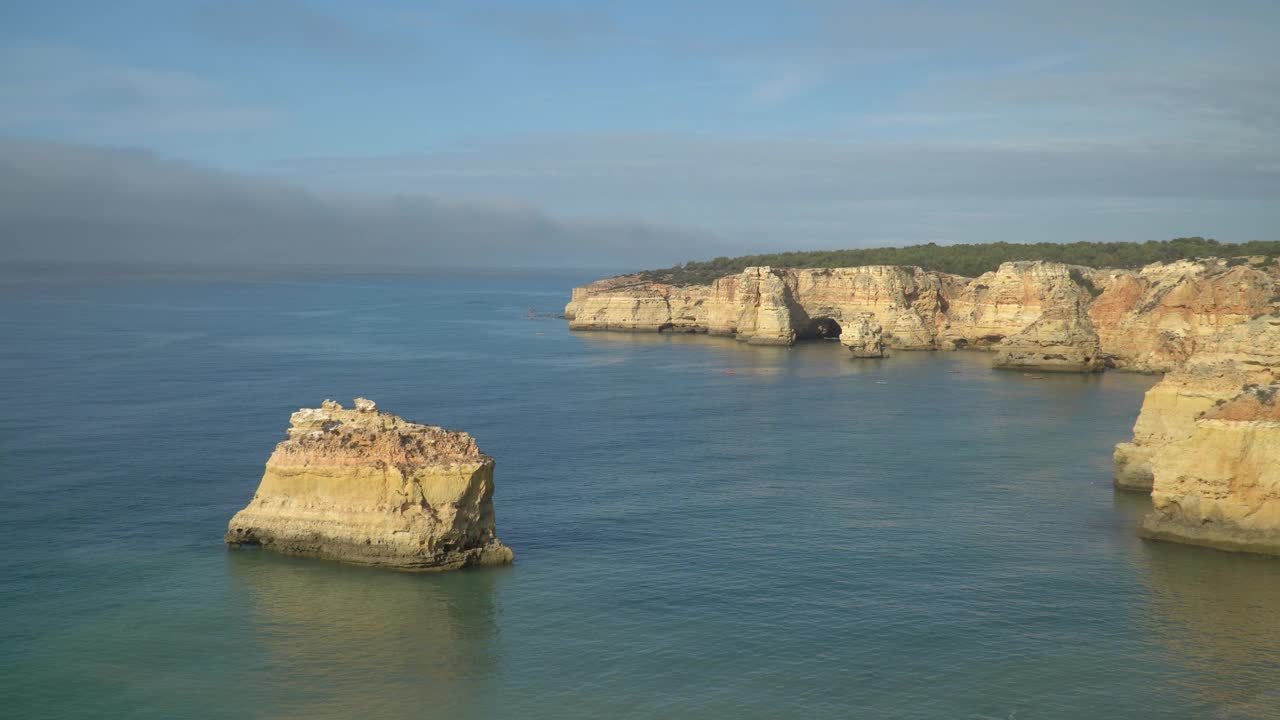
1154, 319
1220, 485
1246, 353
757, 306
864, 338
368, 487
625, 303
998, 305
907, 302
1036, 315
772, 306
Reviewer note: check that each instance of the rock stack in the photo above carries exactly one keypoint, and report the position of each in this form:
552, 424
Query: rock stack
368, 487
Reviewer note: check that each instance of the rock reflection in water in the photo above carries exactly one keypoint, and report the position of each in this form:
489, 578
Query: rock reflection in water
1218, 616
332, 641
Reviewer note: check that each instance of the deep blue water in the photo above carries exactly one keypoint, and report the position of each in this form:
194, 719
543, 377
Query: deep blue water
810, 536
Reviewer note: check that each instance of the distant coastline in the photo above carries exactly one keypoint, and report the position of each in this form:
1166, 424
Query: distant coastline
971, 260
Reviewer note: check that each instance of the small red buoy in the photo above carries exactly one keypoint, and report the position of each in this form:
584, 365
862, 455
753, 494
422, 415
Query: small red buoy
730, 372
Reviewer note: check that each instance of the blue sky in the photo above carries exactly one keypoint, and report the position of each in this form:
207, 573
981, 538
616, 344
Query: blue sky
717, 127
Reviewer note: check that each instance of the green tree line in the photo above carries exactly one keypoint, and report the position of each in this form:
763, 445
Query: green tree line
972, 260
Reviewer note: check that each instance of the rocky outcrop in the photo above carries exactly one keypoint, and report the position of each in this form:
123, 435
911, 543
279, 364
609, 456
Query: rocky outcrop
757, 306
1157, 318
1036, 315
987, 310
907, 302
863, 337
1246, 353
625, 303
368, 487
1061, 340
772, 306
1220, 485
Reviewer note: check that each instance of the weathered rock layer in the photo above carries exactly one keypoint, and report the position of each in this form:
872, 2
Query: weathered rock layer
368, 487
1242, 354
1207, 444
1036, 315
1220, 486
864, 337
1157, 318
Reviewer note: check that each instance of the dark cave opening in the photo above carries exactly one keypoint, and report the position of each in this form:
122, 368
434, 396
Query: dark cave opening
822, 328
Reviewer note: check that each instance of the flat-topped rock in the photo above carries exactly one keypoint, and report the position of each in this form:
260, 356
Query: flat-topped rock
368, 487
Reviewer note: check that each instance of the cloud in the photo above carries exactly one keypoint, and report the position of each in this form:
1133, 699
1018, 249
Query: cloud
43, 85
1085, 68
66, 202
812, 192
798, 125
297, 26
785, 84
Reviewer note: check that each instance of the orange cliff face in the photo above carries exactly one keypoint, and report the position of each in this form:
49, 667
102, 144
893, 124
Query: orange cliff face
1036, 315
1155, 319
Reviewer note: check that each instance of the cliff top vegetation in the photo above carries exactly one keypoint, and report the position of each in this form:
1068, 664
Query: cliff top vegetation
971, 260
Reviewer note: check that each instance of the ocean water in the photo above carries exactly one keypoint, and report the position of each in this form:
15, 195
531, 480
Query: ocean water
805, 536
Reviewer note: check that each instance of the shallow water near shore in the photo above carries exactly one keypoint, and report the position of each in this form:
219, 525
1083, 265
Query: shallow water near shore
703, 529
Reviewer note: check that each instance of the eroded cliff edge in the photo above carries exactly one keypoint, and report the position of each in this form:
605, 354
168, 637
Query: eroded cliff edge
1220, 486
1035, 315
1242, 354
368, 487
1207, 445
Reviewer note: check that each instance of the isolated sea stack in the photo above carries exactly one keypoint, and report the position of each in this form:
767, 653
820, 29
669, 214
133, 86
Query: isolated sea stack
367, 487
864, 337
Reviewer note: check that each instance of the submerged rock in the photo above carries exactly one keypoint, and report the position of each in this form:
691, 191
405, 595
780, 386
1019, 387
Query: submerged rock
368, 487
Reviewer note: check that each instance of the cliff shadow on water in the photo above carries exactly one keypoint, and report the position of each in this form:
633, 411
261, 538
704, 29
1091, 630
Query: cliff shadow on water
1214, 616
336, 641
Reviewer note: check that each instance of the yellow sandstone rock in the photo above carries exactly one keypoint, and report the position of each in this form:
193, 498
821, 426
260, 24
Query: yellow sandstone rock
1220, 486
863, 338
1036, 315
1245, 353
774, 306
367, 487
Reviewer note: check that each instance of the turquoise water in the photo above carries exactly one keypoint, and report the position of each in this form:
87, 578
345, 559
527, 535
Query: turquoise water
810, 536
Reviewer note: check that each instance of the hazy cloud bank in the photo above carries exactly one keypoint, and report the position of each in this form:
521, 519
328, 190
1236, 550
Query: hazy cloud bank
823, 193
75, 203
